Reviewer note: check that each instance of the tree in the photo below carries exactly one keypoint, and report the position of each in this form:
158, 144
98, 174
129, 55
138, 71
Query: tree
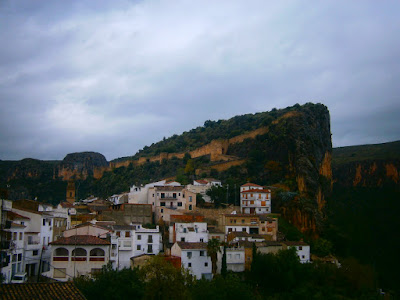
224, 267
213, 247
164, 281
217, 195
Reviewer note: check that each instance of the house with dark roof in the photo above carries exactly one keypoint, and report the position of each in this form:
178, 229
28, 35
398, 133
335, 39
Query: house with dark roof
41, 291
194, 257
78, 255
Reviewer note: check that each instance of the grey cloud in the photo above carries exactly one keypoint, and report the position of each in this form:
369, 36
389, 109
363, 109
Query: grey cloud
114, 77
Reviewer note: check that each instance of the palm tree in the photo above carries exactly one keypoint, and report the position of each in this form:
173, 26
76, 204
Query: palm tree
213, 247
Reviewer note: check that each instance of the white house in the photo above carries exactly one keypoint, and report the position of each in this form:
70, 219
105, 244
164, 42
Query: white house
254, 199
302, 250
188, 232
37, 237
78, 255
147, 241
12, 247
194, 258
235, 259
124, 236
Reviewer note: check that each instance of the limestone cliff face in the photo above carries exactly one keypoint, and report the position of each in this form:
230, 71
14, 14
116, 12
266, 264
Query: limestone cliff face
370, 173
81, 165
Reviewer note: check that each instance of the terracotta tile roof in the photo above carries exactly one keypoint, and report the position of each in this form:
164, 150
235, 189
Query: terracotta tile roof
66, 205
169, 188
242, 215
17, 225
201, 181
80, 240
251, 184
299, 243
257, 191
11, 215
40, 291
193, 246
239, 234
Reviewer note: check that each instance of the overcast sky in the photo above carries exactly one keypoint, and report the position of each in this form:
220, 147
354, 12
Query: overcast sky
114, 76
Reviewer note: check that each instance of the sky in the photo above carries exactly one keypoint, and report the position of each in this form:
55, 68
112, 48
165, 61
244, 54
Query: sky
115, 76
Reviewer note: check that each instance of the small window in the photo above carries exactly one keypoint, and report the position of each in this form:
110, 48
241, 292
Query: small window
206, 264
189, 265
138, 247
182, 239
22, 223
242, 221
139, 237
44, 222
189, 255
201, 253
303, 256
162, 210
118, 233
19, 257
35, 252
244, 229
127, 234
190, 198
162, 203
190, 207
179, 204
300, 248
202, 240
149, 248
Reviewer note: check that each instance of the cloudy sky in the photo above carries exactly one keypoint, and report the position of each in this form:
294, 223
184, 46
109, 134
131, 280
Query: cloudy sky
114, 76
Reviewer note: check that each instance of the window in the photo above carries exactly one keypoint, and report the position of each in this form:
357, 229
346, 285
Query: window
19, 257
184, 230
14, 257
190, 198
97, 254
162, 210
201, 253
189, 265
22, 223
229, 229
179, 204
49, 222
174, 195
44, 222
231, 221
149, 248
14, 236
300, 248
303, 256
206, 264
182, 239
242, 221
139, 237
244, 229
138, 247
127, 234
35, 252
202, 240
162, 195
234, 221
78, 254
190, 207
189, 255
118, 233
263, 229
162, 203
150, 239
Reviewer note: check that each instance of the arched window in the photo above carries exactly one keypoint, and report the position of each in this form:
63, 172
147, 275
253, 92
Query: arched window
60, 254
97, 254
79, 254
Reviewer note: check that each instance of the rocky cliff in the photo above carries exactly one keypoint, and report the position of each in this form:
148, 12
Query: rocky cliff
81, 165
367, 165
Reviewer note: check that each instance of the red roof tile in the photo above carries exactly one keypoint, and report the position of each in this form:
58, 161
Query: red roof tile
13, 215
40, 291
257, 191
80, 240
201, 181
251, 184
193, 246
